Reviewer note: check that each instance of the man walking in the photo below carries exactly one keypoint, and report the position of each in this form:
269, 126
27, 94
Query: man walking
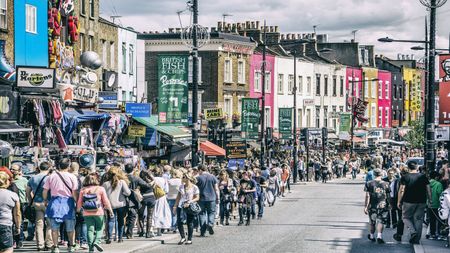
377, 205
209, 197
412, 198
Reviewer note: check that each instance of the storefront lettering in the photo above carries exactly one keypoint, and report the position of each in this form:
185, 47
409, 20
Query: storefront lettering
35, 79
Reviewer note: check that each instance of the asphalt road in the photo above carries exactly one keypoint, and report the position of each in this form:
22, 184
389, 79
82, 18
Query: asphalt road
313, 218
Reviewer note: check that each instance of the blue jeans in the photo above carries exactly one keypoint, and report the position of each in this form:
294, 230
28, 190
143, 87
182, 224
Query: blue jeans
261, 199
174, 216
119, 217
207, 215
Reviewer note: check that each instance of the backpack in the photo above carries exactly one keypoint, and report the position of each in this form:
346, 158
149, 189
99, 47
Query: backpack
90, 201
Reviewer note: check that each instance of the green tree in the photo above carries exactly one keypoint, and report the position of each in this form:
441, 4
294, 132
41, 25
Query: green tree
416, 137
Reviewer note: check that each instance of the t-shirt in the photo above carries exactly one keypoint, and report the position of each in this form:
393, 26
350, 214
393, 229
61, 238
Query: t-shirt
187, 195
57, 187
247, 185
174, 185
102, 198
206, 184
8, 201
33, 183
21, 184
379, 192
415, 187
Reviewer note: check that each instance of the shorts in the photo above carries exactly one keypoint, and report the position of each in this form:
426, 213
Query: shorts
6, 236
56, 224
379, 215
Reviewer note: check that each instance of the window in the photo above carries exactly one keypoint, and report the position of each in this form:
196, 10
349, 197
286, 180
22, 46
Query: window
191, 69
334, 86
380, 116
290, 84
228, 78
366, 87
373, 116
334, 119
300, 85
267, 82
308, 117
317, 116
325, 84
300, 118
325, 116
341, 91
308, 86
374, 89
380, 89
267, 117
104, 53
394, 90
228, 106
124, 95
31, 22
82, 42
317, 85
386, 90
124, 57
3, 14
257, 83
83, 7
91, 43
341, 108
280, 83
241, 72
239, 104
131, 59
386, 117
112, 55
91, 8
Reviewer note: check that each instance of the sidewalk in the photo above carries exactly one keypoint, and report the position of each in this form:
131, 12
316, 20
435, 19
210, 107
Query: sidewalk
430, 246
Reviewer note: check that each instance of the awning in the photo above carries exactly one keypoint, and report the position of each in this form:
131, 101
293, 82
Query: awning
172, 131
211, 149
71, 120
12, 127
332, 136
357, 139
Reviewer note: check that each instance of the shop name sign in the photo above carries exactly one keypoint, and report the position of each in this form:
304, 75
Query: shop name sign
136, 131
213, 114
42, 78
233, 48
308, 102
85, 94
236, 150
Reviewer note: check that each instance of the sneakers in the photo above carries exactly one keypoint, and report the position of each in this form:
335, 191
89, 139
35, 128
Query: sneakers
414, 239
210, 230
84, 246
182, 241
371, 239
188, 242
55, 250
397, 237
73, 248
380, 241
98, 247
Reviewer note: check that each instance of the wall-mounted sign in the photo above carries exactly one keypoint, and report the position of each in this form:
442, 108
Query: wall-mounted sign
236, 150
213, 114
308, 102
85, 94
345, 122
9, 105
136, 131
109, 100
250, 118
234, 48
285, 122
35, 77
138, 110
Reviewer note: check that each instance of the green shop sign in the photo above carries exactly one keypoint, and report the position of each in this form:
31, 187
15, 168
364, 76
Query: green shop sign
250, 118
285, 122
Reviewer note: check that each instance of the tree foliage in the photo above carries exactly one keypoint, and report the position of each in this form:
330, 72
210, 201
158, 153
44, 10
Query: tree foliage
416, 137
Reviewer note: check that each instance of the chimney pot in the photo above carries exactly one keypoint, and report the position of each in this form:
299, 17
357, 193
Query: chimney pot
277, 29
257, 25
170, 30
247, 25
253, 25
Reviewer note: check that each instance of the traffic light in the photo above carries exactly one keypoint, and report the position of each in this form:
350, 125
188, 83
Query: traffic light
304, 136
324, 136
211, 134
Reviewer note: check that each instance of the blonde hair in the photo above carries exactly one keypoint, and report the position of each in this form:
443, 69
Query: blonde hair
176, 173
4, 180
114, 175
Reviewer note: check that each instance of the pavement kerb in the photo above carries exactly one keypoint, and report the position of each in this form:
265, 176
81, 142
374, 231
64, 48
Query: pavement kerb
418, 248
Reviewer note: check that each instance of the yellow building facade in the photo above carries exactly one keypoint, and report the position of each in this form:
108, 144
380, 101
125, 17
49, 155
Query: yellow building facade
370, 94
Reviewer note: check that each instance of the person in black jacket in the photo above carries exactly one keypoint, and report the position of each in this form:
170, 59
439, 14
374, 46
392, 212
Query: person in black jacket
136, 185
395, 210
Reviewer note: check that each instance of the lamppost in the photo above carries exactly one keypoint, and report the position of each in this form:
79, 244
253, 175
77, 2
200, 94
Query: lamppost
263, 97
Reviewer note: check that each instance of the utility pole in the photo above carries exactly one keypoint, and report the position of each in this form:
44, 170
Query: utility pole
295, 116
195, 83
263, 98
427, 84
352, 127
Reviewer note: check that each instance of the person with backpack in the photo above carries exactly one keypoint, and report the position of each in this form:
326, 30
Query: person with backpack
34, 191
93, 202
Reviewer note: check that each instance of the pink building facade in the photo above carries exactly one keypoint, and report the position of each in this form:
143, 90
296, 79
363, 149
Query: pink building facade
256, 84
384, 99
353, 79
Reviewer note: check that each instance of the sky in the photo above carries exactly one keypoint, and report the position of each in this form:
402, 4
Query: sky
398, 19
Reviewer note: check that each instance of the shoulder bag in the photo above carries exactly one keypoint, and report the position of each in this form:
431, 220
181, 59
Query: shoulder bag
30, 210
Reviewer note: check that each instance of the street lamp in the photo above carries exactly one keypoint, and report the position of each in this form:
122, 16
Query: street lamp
420, 48
389, 40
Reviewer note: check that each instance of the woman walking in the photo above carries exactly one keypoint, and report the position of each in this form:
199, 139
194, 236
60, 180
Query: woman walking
162, 216
93, 201
9, 214
226, 188
116, 186
188, 193
148, 204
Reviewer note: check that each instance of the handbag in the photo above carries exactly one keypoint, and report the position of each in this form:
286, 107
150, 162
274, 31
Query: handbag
158, 191
30, 210
194, 208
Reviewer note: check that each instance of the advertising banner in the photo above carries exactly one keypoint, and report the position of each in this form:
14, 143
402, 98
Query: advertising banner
37, 77
9, 104
138, 110
285, 122
250, 118
345, 122
444, 89
213, 114
359, 110
173, 89
236, 149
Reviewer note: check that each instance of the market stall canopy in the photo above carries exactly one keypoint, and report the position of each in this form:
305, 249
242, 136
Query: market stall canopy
332, 136
172, 131
211, 149
357, 139
71, 120
12, 127
391, 142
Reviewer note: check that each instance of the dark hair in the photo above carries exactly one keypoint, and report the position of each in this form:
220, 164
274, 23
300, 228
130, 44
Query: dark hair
91, 180
202, 167
44, 166
412, 165
129, 168
64, 164
434, 174
445, 161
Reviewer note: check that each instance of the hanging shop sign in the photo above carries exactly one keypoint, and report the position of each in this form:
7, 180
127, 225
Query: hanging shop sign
444, 68
136, 131
35, 77
236, 149
9, 105
138, 110
213, 114
250, 117
173, 89
359, 111
444, 104
285, 122
85, 94
109, 100
345, 122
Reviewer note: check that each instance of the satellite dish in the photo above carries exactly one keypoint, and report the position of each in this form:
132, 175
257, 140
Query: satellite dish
112, 80
91, 60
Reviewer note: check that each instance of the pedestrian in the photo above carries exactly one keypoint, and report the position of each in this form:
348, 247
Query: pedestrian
174, 182
19, 186
9, 214
395, 187
436, 190
444, 210
61, 204
145, 213
412, 198
116, 186
226, 188
162, 215
261, 186
93, 202
34, 191
377, 205
209, 197
247, 188
188, 194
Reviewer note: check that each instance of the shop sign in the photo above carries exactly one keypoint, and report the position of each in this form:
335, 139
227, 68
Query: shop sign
109, 100
442, 134
173, 76
35, 77
9, 105
213, 114
359, 110
236, 149
308, 102
85, 94
285, 122
345, 122
250, 117
234, 48
444, 89
136, 131
138, 110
